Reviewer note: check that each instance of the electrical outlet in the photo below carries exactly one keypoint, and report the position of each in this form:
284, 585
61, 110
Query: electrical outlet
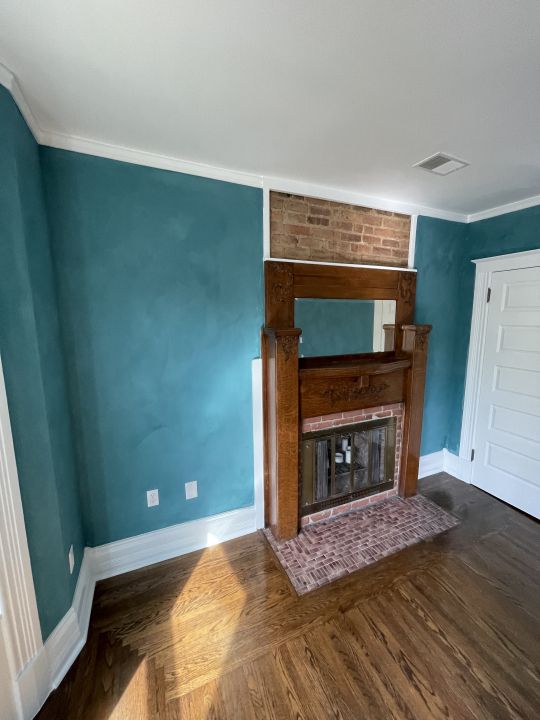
71, 560
191, 490
152, 498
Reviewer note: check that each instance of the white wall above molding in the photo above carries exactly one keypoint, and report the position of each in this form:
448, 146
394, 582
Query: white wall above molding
89, 146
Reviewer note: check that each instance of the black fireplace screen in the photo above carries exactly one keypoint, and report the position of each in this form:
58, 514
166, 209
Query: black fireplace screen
344, 463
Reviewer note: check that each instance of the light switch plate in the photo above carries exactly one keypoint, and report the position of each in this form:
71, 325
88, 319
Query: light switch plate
152, 498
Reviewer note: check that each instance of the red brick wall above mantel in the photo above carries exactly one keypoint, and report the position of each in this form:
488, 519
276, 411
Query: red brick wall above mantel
305, 228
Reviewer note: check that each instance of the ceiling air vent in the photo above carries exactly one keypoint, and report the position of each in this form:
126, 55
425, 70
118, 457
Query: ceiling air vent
441, 164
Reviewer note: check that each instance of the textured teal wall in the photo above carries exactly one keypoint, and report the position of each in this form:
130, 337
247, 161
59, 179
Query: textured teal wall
439, 259
30, 346
334, 327
444, 251
160, 283
513, 232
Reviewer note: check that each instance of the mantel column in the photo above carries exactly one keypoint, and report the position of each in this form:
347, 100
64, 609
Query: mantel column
283, 431
414, 344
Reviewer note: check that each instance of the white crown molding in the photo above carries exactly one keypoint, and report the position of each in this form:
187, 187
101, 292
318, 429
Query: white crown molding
504, 209
148, 159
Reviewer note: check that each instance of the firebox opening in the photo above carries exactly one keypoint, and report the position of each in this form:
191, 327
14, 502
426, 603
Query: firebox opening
342, 463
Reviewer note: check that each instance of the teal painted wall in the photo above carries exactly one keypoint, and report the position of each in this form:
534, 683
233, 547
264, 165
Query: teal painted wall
30, 345
160, 285
334, 327
513, 232
439, 258
444, 251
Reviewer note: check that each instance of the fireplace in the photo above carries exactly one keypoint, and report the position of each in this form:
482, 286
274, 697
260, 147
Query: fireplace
342, 463
297, 389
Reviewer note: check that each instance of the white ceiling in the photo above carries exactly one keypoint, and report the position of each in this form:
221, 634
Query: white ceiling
346, 93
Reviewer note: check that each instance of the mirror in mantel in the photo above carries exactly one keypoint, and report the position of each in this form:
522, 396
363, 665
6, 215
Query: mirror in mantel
342, 327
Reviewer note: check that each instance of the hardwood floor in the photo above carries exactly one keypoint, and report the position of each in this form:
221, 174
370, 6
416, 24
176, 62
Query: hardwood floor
445, 629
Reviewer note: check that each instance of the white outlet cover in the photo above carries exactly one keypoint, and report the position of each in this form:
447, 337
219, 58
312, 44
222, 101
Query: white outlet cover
191, 490
152, 498
71, 560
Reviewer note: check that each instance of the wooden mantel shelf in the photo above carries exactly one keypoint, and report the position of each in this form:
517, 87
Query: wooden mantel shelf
334, 367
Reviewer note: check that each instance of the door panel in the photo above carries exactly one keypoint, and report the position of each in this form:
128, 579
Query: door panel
507, 442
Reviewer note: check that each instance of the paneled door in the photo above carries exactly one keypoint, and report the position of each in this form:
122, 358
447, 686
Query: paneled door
507, 438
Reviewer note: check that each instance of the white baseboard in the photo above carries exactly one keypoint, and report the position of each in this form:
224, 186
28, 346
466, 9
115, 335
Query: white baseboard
33, 686
445, 461
136, 552
457, 466
48, 668
431, 464
62, 647
69, 636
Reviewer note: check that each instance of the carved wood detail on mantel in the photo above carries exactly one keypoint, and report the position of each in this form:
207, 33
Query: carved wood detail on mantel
354, 392
307, 387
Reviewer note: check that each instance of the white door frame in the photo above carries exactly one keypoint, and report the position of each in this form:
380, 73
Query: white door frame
485, 267
20, 628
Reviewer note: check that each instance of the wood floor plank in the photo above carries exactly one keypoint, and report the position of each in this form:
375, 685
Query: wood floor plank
503, 678
271, 694
434, 661
447, 628
402, 671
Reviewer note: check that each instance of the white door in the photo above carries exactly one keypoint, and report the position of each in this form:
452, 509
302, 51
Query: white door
507, 438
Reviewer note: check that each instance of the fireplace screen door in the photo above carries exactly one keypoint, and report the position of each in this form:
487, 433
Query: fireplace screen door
343, 463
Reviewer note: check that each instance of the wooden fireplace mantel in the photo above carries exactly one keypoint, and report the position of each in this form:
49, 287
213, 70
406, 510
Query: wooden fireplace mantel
298, 388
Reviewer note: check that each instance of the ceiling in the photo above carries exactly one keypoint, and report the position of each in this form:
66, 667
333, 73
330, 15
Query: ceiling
345, 94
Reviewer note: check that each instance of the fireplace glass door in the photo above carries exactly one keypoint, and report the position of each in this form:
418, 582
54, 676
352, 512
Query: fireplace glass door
347, 462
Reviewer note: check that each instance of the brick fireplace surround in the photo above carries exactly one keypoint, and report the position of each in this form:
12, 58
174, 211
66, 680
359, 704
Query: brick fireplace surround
349, 418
